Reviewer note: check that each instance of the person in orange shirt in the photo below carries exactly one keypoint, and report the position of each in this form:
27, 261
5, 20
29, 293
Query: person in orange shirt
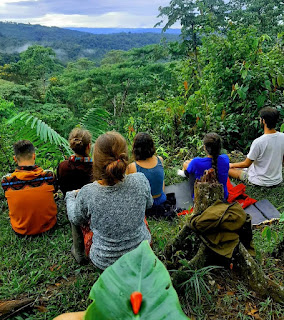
29, 192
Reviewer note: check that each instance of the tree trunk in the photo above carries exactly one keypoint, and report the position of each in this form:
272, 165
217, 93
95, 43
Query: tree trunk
254, 275
206, 192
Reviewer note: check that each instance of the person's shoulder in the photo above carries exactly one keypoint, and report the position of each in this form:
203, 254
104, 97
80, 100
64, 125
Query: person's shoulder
224, 157
198, 160
137, 176
161, 159
89, 186
131, 168
136, 179
280, 135
63, 163
258, 142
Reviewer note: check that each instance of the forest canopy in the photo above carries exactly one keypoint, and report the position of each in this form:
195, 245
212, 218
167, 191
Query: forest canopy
227, 64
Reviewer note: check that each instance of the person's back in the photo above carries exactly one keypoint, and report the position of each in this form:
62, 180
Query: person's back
265, 158
114, 204
198, 165
267, 152
150, 165
195, 168
116, 216
29, 192
74, 173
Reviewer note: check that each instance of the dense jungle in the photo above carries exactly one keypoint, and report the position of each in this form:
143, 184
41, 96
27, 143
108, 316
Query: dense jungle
225, 66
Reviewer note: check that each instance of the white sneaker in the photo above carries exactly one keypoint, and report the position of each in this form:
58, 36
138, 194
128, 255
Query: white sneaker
181, 173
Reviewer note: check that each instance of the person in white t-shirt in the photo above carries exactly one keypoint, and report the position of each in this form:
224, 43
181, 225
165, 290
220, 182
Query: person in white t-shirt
263, 165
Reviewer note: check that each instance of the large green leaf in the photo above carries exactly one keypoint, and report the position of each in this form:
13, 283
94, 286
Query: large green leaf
139, 270
95, 120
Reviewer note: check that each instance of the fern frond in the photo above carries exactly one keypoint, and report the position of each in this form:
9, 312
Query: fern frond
95, 120
39, 133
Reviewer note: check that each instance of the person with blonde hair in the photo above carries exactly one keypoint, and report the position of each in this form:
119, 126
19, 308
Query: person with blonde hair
114, 203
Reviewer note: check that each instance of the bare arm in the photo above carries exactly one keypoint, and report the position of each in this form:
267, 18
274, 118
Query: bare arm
243, 164
185, 164
162, 160
71, 316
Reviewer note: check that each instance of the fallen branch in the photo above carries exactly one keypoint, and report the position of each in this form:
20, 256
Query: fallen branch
8, 308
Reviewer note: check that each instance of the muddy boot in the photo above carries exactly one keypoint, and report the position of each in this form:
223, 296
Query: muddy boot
78, 248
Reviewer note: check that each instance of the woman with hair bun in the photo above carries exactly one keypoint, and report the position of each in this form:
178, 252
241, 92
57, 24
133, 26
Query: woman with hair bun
114, 203
195, 168
74, 173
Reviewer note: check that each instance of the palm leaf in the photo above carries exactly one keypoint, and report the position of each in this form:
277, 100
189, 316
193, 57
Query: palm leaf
95, 120
39, 133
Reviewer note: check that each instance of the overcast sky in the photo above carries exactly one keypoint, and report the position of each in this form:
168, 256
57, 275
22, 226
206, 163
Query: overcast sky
83, 13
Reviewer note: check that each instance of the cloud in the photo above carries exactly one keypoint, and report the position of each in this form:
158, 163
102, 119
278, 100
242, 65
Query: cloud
108, 20
87, 13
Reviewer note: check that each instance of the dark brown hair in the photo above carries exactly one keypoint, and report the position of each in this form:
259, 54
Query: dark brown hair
143, 146
213, 144
23, 149
270, 116
110, 158
79, 139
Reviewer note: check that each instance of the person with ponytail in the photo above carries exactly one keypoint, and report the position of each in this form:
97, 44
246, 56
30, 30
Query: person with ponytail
114, 203
195, 168
74, 173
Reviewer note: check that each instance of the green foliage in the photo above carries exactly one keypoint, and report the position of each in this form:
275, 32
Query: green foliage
195, 17
51, 146
21, 95
71, 45
42, 130
37, 63
6, 109
95, 120
240, 77
55, 116
265, 15
196, 286
139, 270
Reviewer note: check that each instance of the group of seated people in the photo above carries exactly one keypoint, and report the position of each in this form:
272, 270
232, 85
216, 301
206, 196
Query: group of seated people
106, 198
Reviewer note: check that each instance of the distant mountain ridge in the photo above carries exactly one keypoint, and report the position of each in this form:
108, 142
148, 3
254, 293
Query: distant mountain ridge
72, 44
126, 30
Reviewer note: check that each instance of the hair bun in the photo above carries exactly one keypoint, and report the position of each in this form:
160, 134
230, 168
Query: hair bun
123, 157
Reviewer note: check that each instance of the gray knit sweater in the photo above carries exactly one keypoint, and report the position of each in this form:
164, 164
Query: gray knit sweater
116, 214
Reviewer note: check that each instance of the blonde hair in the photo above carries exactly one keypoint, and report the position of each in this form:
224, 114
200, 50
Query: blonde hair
79, 139
110, 157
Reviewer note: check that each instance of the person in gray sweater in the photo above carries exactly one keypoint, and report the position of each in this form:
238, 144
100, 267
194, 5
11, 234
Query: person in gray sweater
114, 203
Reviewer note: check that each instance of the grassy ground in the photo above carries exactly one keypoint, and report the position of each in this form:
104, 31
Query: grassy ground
43, 269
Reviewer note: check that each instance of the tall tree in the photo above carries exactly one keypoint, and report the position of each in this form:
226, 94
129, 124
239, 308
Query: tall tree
266, 15
195, 16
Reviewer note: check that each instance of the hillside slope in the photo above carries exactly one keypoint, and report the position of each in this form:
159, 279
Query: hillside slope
70, 44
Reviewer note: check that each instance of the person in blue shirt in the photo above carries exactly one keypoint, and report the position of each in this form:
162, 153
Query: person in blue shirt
194, 169
151, 165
